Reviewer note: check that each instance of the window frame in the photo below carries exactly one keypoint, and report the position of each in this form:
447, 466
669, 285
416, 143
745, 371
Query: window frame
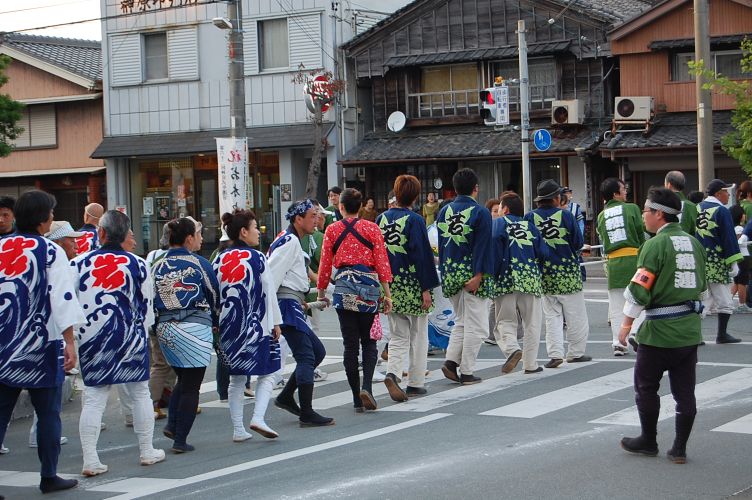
26, 114
145, 58
714, 54
545, 102
260, 44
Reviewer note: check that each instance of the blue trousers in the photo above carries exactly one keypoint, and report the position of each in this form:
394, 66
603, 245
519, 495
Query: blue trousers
47, 402
307, 350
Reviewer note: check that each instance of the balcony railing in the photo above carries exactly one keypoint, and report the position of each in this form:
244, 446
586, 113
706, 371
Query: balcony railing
465, 102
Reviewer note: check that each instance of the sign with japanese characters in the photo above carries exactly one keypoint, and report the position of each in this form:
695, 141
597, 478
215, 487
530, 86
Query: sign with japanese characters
232, 159
128, 6
501, 99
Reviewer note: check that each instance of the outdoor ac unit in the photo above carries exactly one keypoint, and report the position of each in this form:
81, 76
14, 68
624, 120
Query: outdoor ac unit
634, 108
566, 112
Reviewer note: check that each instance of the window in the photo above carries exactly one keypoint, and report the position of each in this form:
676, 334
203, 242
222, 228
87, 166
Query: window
725, 62
155, 56
447, 90
273, 45
542, 78
40, 128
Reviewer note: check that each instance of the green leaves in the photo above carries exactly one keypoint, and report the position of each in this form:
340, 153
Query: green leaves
394, 234
10, 113
454, 228
550, 228
705, 222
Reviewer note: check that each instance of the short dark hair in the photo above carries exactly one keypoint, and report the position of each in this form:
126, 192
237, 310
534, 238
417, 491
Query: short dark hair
352, 199
335, 190
115, 225
180, 229
745, 189
7, 202
235, 221
667, 198
464, 181
406, 189
490, 203
513, 203
548, 202
33, 208
610, 187
737, 212
695, 196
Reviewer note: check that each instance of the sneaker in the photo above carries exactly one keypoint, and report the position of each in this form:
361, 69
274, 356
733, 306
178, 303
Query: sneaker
378, 376
94, 469
280, 385
153, 457
490, 341
620, 350
579, 359
4, 450
263, 429
238, 437
511, 363
319, 376
554, 363
33, 443
743, 309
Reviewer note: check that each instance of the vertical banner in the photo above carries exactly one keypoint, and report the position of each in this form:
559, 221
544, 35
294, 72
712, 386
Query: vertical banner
232, 159
501, 98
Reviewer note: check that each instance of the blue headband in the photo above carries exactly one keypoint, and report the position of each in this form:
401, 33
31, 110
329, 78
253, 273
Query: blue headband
298, 208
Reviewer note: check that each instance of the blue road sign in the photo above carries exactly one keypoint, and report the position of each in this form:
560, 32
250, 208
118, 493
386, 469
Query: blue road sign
542, 139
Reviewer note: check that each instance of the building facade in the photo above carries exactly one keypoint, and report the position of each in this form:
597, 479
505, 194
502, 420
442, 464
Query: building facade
59, 81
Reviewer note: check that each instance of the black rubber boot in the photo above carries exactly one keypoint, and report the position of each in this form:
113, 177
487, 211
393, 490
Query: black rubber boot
56, 483
645, 443
183, 425
678, 452
723, 337
286, 398
308, 417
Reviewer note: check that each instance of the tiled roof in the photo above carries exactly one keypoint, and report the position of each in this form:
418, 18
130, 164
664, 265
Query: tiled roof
690, 42
475, 54
82, 57
671, 131
462, 141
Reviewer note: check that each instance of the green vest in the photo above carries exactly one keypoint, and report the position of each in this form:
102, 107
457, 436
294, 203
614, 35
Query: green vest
677, 261
620, 227
688, 217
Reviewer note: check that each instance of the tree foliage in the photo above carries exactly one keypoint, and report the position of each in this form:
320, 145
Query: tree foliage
10, 113
738, 144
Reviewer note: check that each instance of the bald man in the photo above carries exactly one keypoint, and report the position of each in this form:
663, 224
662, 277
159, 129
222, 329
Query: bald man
90, 241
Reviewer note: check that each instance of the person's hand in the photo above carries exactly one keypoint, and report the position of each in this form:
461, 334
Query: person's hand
623, 334
69, 357
325, 300
734, 270
276, 332
387, 305
427, 301
473, 283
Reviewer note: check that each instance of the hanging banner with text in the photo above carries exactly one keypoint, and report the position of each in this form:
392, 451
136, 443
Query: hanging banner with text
232, 159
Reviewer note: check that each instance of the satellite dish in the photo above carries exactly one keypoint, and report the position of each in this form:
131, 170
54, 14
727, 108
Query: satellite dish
396, 121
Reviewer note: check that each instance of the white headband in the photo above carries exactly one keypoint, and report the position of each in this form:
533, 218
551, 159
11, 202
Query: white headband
662, 208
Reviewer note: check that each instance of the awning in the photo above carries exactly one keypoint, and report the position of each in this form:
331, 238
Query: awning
285, 136
51, 171
682, 43
475, 54
451, 143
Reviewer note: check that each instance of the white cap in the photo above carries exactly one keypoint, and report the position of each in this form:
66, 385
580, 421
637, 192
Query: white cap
61, 229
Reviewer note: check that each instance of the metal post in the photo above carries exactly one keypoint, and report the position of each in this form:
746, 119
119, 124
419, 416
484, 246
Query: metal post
705, 166
525, 118
236, 70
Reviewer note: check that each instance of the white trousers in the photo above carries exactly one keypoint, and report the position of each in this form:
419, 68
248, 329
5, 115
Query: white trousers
94, 402
263, 394
529, 307
569, 308
616, 302
469, 331
720, 299
409, 339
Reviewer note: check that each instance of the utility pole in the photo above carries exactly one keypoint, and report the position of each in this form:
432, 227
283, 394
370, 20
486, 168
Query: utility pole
524, 118
705, 166
236, 77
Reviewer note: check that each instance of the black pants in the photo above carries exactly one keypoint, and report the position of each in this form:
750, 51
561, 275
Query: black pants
184, 401
356, 333
681, 364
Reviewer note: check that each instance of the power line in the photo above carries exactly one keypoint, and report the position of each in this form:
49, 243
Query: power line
291, 15
43, 7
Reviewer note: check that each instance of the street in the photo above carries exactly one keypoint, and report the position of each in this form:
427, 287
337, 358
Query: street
549, 435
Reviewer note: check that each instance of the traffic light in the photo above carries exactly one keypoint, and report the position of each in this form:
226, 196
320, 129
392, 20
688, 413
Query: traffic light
488, 108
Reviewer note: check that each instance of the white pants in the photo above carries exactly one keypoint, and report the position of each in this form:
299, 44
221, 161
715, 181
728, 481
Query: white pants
94, 402
720, 299
529, 307
616, 302
409, 338
284, 351
469, 331
557, 309
263, 394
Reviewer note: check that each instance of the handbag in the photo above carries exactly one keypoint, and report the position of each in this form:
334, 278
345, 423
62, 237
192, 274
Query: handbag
376, 331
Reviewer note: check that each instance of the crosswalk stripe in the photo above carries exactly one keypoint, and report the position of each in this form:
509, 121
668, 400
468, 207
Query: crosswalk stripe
563, 398
706, 393
741, 425
487, 386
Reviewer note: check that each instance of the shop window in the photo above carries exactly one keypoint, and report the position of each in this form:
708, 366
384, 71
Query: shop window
542, 77
40, 128
155, 56
273, 44
725, 62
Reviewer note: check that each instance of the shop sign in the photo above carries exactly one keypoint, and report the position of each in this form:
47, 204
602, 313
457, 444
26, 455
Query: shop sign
232, 159
128, 6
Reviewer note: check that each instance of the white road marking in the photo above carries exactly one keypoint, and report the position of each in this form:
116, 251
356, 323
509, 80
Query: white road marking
138, 487
487, 386
741, 425
563, 398
706, 393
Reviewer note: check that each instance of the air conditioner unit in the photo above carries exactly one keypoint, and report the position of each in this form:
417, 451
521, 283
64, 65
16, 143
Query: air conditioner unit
634, 109
567, 112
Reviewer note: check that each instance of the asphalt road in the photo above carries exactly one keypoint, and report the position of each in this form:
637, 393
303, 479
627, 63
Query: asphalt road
549, 435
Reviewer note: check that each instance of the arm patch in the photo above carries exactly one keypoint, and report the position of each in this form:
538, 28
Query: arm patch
644, 278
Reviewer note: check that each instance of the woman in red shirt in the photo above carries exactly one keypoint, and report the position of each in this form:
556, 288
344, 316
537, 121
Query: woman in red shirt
355, 247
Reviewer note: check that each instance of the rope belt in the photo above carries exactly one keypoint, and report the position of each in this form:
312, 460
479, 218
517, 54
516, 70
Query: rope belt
623, 252
674, 311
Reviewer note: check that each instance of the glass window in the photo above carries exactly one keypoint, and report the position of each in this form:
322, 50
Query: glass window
155, 56
542, 77
273, 48
680, 70
726, 62
448, 90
